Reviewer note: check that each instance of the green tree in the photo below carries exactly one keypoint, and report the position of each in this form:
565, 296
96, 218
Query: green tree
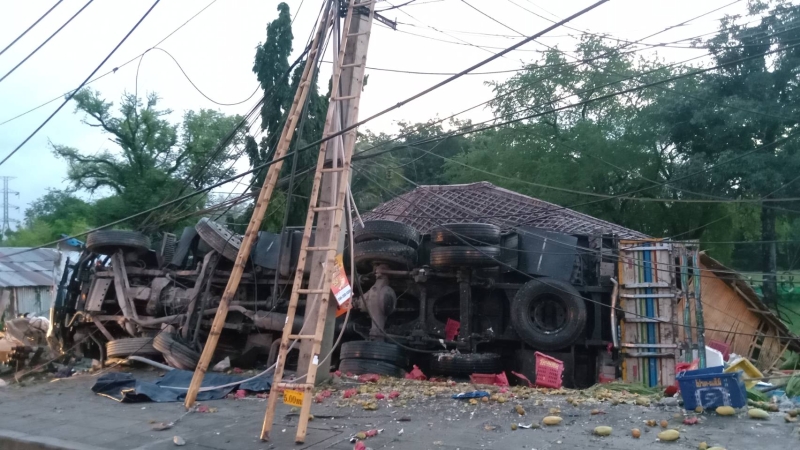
764, 102
271, 66
153, 160
50, 216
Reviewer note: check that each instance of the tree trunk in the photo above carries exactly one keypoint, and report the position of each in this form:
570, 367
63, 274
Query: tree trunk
769, 252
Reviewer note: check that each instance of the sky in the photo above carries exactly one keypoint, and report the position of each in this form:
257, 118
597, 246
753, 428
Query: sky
216, 49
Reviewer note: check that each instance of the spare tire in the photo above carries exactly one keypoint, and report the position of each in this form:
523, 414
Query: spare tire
108, 242
393, 254
220, 238
175, 352
386, 230
374, 350
548, 314
465, 256
466, 233
465, 364
361, 366
141, 346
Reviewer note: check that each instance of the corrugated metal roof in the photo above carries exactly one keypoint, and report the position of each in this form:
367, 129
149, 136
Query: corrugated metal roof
428, 206
20, 266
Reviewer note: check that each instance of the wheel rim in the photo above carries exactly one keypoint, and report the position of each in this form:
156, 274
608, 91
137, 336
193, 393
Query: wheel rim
548, 314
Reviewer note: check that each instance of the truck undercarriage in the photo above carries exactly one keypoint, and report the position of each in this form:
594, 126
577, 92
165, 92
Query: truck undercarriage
494, 297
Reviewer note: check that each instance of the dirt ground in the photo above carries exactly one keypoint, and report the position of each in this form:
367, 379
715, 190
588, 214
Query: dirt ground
422, 415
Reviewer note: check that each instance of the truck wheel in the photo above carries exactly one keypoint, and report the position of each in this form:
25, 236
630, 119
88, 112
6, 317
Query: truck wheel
220, 238
465, 256
394, 254
120, 348
374, 350
386, 230
465, 364
472, 233
175, 352
108, 242
548, 314
361, 366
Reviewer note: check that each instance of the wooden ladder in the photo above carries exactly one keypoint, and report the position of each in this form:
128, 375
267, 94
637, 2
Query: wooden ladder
342, 111
260, 209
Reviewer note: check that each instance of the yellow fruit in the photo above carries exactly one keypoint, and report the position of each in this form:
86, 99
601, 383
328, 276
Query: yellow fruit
702, 446
699, 410
513, 426
669, 435
636, 433
642, 401
650, 423
552, 420
602, 431
595, 412
555, 411
726, 411
794, 413
789, 419
664, 424
756, 413
520, 410
716, 448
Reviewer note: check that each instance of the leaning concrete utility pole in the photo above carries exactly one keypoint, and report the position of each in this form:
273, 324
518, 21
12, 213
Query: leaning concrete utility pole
326, 210
260, 209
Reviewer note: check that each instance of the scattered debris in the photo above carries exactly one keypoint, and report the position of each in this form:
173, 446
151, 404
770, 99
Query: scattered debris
473, 394
602, 431
223, 365
513, 426
520, 410
756, 413
636, 433
161, 426
369, 378
177, 440
552, 420
361, 435
669, 435
416, 374
691, 421
664, 423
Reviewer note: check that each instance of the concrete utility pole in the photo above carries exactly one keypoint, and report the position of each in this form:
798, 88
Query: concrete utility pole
350, 83
6, 206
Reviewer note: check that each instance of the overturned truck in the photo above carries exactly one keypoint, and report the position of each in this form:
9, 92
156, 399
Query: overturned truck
496, 295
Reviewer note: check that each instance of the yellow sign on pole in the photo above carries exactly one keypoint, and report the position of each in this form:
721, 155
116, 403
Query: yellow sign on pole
293, 398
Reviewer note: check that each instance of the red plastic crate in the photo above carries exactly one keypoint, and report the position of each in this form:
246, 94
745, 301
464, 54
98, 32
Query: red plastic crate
548, 371
721, 347
482, 378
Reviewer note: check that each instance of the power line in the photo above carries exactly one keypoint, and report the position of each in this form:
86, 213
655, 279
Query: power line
114, 70
190, 80
46, 40
31, 27
72, 94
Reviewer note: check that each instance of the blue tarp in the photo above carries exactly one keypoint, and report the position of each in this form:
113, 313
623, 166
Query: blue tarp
123, 387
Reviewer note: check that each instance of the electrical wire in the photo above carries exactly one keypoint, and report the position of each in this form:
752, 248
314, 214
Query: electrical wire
114, 70
45, 41
30, 27
72, 94
216, 102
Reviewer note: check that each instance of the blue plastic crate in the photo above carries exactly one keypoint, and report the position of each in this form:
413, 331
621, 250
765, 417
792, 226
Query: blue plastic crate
711, 388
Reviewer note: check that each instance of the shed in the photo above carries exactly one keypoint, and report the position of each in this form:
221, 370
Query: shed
27, 279
735, 315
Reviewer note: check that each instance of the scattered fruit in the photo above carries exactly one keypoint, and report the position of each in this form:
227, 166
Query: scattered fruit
726, 411
794, 413
552, 420
669, 435
473, 401
664, 424
513, 426
756, 413
501, 399
595, 412
716, 448
699, 410
602, 431
555, 411
520, 410
650, 423
702, 446
485, 399
642, 401
636, 433
773, 407
790, 419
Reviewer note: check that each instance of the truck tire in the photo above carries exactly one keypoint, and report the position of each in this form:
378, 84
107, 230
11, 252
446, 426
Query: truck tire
548, 314
465, 364
219, 237
361, 366
394, 254
386, 230
175, 351
376, 351
121, 348
471, 233
465, 256
108, 242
